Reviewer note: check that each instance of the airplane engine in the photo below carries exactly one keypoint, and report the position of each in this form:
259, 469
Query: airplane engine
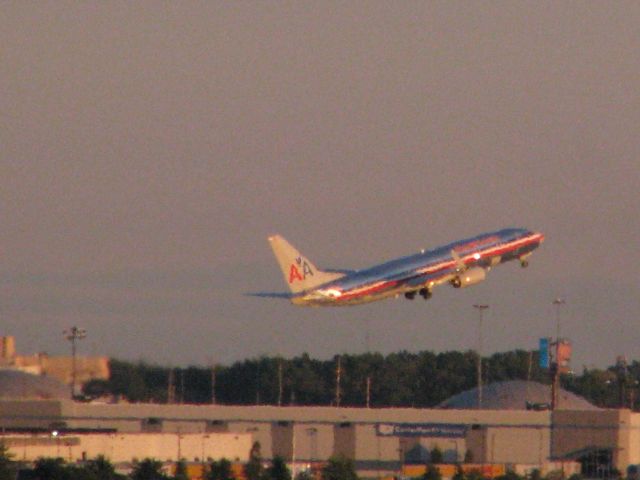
470, 277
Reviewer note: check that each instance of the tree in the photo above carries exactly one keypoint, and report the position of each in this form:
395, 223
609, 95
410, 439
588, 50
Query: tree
278, 470
432, 473
148, 469
459, 475
101, 468
339, 468
51, 469
220, 470
181, 470
253, 468
304, 475
435, 456
7, 466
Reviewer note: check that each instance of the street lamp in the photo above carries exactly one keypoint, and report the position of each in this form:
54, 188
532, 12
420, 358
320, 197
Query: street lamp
481, 308
555, 365
74, 334
558, 302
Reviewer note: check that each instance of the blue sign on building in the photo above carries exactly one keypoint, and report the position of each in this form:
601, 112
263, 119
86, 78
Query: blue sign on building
442, 430
544, 353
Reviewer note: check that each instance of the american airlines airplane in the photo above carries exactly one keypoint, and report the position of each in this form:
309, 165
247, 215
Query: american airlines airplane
460, 264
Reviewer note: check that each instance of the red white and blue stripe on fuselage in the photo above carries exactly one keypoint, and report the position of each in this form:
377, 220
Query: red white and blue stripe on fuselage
420, 272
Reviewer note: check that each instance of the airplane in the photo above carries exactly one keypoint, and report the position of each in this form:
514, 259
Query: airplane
461, 264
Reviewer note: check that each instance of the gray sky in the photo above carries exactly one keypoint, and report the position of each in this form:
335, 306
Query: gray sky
149, 148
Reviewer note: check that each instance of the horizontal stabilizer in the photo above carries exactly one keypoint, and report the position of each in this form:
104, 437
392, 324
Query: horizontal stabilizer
270, 294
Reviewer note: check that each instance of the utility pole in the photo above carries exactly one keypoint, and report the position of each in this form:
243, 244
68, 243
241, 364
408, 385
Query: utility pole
555, 364
213, 383
280, 382
338, 374
558, 302
481, 308
74, 334
368, 392
171, 387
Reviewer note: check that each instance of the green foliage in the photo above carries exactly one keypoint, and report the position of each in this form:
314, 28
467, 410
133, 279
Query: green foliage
435, 456
509, 475
474, 475
220, 470
148, 469
339, 468
181, 470
459, 475
7, 466
51, 469
253, 468
304, 475
432, 473
535, 474
278, 470
398, 379
101, 469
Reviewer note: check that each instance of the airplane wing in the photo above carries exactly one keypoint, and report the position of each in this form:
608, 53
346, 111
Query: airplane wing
460, 266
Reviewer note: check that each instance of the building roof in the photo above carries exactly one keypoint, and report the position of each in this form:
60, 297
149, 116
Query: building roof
516, 395
17, 384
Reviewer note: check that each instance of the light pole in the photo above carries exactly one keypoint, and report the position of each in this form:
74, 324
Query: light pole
74, 334
555, 365
558, 302
481, 308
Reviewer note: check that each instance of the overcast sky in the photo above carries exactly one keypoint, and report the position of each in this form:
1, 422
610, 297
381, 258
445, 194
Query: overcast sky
148, 149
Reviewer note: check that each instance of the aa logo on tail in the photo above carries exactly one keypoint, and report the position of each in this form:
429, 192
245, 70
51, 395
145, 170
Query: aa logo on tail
294, 270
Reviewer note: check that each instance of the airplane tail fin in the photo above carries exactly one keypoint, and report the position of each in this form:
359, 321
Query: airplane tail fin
300, 273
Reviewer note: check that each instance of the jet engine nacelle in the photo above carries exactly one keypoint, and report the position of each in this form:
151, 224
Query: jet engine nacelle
469, 277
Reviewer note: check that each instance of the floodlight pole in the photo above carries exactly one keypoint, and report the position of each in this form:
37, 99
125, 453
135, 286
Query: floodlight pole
555, 365
481, 308
558, 302
74, 334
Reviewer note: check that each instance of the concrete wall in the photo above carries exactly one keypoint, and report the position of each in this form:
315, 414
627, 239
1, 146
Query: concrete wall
634, 439
574, 431
311, 433
129, 447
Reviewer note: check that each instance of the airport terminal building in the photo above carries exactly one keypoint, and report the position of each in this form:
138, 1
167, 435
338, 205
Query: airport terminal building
380, 441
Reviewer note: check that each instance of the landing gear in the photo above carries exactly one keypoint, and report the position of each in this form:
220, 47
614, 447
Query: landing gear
410, 295
524, 260
456, 282
425, 293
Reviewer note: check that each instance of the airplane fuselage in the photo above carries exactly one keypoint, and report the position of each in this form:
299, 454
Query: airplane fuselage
461, 263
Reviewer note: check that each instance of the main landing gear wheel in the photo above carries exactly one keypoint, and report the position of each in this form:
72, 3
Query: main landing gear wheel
410, 295
425, 293
524, 263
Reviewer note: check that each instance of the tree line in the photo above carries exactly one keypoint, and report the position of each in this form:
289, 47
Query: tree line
401, 379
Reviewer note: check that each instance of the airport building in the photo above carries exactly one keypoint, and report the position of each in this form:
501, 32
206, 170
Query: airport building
382, 442
62, 368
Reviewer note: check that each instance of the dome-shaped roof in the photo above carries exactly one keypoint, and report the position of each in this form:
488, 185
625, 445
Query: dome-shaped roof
17, 384
516, 395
